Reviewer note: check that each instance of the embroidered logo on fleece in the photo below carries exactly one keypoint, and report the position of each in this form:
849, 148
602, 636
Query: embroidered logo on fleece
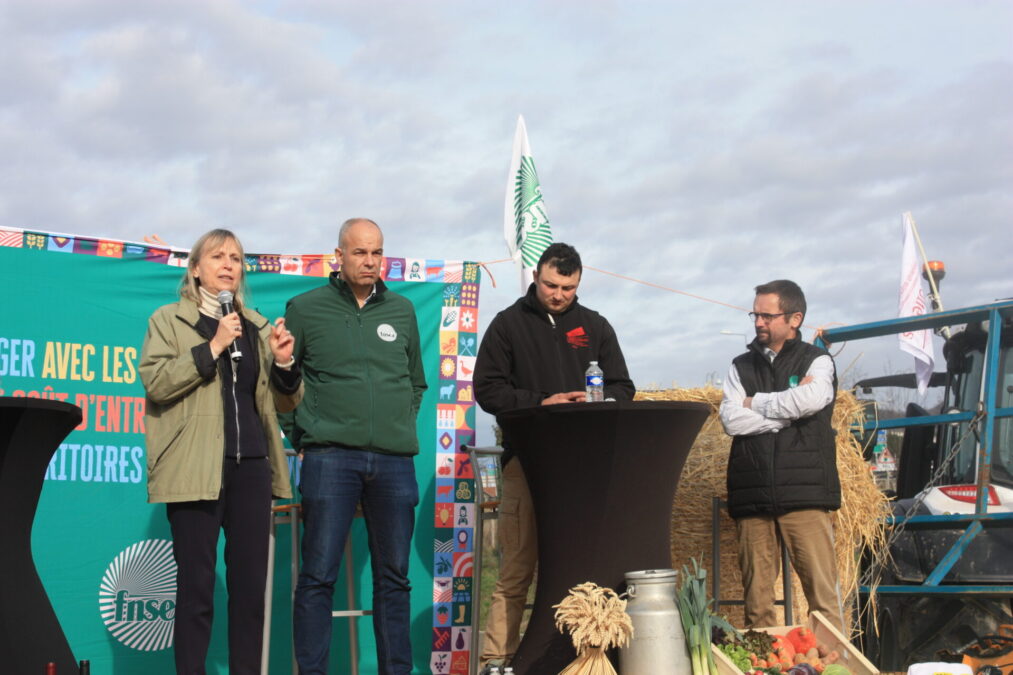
577, 337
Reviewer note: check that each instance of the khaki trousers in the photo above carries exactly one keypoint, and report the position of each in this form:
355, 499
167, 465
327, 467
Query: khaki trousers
518, 547
809, 537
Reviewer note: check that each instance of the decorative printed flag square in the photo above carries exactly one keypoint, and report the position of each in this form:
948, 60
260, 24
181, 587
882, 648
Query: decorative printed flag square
459, 660
448, 368
463, 468
464, 392
38, 240
448, 318
467, 344
434, 270
442, 589
465, 418
464, 564
415, 270
446, 442
61, 244
157, 255
465, 490
439, 662
465, 367
395, 269
466, 436
110, 249
445, 495
441, 639
462, 540
445, 490
443, 564
471, 272
135, 251
461, 521
448, 343
269, 263
291, 264
462, 591
452, 295
446, 416
313, 266
469, 320
86, 246
461, 617
469, 295
444, 515
453, 272
441, 614
443, 540
462, 638
465, 515
11, 238
178, 259
332, 263
444, 465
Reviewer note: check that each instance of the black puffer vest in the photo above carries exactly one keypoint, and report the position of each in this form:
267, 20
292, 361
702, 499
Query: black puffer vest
795, 468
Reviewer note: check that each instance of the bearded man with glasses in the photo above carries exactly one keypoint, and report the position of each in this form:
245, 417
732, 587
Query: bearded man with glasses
782, 471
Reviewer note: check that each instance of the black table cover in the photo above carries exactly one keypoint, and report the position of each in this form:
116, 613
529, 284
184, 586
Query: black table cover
30, 634
603, 478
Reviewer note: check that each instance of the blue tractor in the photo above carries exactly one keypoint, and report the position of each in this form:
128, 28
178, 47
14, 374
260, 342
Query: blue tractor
948, 578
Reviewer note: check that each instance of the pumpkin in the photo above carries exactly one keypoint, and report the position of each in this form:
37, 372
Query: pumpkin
802, 639
784, 649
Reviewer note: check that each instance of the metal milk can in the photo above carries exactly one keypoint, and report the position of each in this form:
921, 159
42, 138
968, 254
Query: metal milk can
658, 644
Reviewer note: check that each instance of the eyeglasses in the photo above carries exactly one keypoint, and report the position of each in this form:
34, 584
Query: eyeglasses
763, 316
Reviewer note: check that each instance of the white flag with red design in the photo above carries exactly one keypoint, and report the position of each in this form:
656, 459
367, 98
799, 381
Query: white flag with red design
913, 303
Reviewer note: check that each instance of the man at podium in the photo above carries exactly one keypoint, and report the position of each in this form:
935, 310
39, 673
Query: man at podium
535, 352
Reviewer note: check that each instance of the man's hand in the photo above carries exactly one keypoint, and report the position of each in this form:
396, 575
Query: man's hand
747, 402
566, 397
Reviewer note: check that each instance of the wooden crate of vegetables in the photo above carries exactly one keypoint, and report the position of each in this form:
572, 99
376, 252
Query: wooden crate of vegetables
798, 650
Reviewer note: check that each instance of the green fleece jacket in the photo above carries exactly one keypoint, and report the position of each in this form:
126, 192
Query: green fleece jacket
362, 368
185, 413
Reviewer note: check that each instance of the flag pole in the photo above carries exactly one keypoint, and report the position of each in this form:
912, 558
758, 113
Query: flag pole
928, 273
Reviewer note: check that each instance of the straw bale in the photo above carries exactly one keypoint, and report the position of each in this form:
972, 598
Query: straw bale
859, 524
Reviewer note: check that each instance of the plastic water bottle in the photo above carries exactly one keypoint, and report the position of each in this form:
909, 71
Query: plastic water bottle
494, 671
594, 380
509, 670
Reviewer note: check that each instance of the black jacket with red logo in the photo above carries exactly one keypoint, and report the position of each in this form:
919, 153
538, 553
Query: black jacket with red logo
528, 355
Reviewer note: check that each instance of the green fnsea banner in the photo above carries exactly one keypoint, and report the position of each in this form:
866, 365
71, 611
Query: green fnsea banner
73, 319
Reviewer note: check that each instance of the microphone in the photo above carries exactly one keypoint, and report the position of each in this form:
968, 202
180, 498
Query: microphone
225, 300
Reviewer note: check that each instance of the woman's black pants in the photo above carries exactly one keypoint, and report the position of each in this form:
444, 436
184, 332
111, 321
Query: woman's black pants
243, 510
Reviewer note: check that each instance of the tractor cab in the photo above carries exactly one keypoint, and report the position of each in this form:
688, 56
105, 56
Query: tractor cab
948, 578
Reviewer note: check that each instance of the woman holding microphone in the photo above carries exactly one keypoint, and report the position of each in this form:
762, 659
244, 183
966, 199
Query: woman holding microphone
214, 382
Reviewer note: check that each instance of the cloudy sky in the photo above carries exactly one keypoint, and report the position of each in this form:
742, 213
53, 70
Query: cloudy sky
704, 147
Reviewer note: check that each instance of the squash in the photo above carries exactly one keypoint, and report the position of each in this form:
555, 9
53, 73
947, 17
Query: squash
802, 639
783, 648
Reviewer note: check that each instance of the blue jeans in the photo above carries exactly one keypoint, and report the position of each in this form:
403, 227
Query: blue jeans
334, 481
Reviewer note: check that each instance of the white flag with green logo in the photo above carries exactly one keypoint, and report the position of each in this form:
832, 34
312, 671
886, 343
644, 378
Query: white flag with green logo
525, 220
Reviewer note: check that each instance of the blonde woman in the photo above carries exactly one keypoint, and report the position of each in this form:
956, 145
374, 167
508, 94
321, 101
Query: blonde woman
215, 455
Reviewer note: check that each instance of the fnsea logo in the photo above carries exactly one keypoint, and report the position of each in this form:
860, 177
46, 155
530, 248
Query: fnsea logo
137, 596
386, 332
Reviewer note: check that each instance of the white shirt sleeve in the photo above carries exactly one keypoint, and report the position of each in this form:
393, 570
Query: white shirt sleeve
803, 400
739, 420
